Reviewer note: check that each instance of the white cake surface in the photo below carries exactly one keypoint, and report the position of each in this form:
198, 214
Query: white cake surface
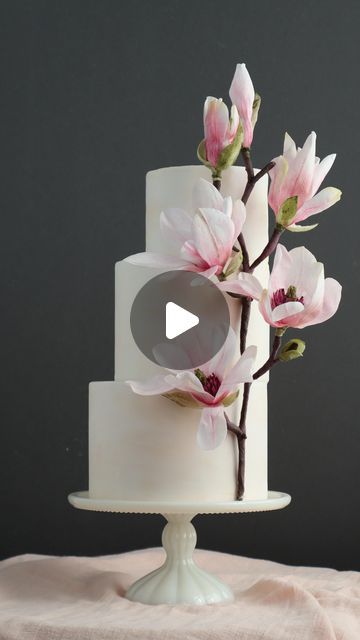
144, 448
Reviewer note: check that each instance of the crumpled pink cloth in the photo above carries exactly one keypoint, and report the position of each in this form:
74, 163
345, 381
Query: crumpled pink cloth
72, 598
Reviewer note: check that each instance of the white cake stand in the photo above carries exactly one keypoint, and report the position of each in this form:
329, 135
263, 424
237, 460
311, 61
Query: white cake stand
179, 579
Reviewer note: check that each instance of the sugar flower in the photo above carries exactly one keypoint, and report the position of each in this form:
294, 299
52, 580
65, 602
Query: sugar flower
297, 295
210, 388
298, 172
247, 102
219, 129
200, 241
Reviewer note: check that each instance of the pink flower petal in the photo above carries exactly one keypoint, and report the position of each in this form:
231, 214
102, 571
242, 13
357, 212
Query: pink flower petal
282, 264
277, 192
204, 194
185, 381
240, 372
225, 356
290, 150
213, 234
153, 387
212, 428
323, 200
175, 226
331, 301
245, 284
242, 95
299, 178
285, 311
321, 170
238, 217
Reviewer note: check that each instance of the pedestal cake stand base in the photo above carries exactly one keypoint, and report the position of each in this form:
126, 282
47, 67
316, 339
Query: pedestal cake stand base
179, 579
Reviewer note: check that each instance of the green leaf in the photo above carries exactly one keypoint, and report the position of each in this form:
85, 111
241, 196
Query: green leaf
233, 264
182, 398
230, 399
229, 155
292, 350
287, 211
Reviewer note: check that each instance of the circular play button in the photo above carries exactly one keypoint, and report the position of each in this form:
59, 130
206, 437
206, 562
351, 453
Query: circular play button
179, 319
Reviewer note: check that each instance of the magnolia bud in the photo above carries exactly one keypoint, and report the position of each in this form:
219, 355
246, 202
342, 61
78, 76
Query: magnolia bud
292, 350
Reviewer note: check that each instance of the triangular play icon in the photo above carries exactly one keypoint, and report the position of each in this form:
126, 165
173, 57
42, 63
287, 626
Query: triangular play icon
178, 320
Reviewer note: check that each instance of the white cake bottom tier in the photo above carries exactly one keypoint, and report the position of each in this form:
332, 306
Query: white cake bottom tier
144, 448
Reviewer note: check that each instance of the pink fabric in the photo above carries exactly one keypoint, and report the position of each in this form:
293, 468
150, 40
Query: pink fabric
71, 598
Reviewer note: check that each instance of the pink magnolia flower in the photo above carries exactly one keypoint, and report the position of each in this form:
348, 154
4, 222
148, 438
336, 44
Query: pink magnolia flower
298, 172
203, 240
210, 388
219, 130
297, 296
242, 95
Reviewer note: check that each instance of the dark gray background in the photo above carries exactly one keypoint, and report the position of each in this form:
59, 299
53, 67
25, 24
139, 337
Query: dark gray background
93, 95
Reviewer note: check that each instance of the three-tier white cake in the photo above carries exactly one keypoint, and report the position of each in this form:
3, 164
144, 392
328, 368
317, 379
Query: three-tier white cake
144, 448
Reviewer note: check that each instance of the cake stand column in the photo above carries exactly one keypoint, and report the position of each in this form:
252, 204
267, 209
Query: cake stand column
179, 579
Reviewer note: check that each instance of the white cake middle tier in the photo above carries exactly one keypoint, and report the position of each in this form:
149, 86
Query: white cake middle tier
130, 362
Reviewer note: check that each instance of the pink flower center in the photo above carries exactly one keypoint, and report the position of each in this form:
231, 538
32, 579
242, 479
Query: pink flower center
281, 297
210, 383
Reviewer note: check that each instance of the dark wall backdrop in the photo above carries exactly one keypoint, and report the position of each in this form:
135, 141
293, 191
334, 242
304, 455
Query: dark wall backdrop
93, 95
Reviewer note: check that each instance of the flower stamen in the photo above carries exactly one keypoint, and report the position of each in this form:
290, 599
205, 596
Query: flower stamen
210, 383
281, 297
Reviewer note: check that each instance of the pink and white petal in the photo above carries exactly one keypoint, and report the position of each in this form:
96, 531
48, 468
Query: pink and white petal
204, 194
299, 178
245, 284
153, 387
238, 217
242, 91
321, 170
289, 147
159, 260
304, 273
221, 361
227, 206
213, 234
323, 200
175, 226
212, 429
216, 120
184, 381
300, 228
285, 311
331, 301
277, 192
281, 267
211, 271
234, 123
265, 308
240, 372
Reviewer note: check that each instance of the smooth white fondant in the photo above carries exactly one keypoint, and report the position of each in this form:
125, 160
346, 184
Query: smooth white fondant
143, 448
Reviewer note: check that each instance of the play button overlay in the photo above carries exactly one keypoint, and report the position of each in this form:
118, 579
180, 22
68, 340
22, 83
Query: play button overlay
179, 320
